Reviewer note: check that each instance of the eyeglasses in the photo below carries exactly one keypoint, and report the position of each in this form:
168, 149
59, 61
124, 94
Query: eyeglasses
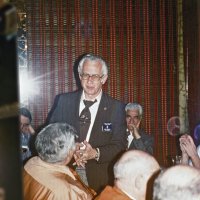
128, 117
94, 77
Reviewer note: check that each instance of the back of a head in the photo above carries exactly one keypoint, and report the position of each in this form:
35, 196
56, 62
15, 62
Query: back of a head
54, 142
178, 182
135, 161
134, 169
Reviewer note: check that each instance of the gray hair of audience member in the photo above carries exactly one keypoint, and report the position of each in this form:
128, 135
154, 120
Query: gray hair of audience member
26, 113
132, 162
134, 106
93, 57
54, 142
177, 182
133, 171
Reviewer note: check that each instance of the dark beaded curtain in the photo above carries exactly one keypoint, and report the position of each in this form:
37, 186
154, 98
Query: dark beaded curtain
137, 38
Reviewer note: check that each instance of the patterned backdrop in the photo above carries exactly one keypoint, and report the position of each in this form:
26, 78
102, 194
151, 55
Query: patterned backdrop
138, 39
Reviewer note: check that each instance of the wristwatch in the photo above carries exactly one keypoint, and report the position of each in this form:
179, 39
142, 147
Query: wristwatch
97, 154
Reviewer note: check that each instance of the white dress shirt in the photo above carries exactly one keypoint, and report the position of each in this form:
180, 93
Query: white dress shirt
130, 138
93, 111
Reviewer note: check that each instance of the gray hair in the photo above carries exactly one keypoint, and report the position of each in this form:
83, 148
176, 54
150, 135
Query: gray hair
93, 57
54, 142
134, 106
177, 183
124, 170
133, 162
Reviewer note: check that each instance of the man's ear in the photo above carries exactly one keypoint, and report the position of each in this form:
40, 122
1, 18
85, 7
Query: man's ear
69, 156
139, 182
104, 79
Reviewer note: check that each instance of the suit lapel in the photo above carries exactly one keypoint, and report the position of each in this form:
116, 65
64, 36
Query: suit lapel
103, 109
101, 116
77, 105
132, 146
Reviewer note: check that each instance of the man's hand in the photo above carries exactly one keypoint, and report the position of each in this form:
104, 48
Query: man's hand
88, 152
78, 156
190, 146
183, 140
135, 130
83, 153
30, 129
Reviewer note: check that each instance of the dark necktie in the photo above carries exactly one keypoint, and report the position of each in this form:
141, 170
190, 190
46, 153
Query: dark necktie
85, 119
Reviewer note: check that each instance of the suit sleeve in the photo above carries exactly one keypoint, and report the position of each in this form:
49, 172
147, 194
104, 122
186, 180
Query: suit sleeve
55, 114
145, 143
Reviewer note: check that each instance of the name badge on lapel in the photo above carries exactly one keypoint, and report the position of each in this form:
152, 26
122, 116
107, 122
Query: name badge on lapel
107, 127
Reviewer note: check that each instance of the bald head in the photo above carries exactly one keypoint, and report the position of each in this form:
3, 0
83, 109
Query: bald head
135, 161
178, 182
133, 171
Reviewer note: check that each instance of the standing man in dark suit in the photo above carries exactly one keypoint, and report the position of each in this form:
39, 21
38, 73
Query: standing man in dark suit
105, 139
137, 138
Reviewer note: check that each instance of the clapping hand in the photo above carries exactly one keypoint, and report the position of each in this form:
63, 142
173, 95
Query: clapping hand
187, 145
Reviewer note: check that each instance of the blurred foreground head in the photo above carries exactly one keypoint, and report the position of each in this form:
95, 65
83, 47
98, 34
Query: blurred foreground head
56, 143
178, 182
133, 171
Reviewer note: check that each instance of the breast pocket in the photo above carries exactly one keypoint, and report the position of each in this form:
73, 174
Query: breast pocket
107, 127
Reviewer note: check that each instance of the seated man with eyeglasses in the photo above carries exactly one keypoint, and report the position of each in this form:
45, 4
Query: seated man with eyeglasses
26, 133
137, 138
99, 120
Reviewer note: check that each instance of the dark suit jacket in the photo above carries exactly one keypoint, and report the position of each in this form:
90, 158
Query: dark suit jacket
145, 143
110, 142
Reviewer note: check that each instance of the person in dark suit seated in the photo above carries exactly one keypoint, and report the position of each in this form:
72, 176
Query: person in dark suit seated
48, 176
27, 133
137, 138
101, 126
132, 172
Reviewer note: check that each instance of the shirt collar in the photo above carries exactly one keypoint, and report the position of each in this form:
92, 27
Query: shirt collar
98, 98
129, 132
